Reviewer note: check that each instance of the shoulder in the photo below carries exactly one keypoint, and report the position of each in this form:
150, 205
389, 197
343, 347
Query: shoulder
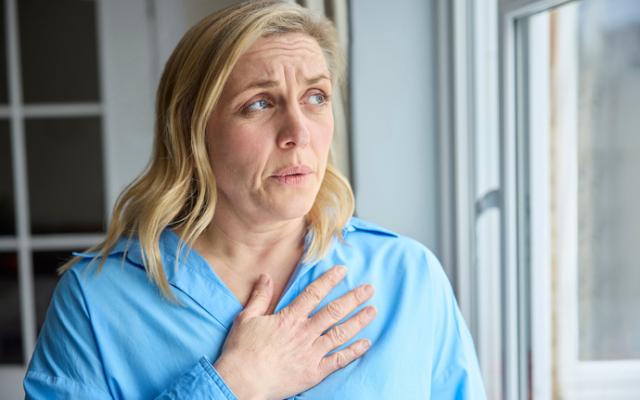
356, 224
127, 257
370, 236
385, 251
402, 262
105, 280
92, 268
400, 268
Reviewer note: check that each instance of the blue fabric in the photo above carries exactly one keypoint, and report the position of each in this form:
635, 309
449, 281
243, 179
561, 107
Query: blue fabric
112, 335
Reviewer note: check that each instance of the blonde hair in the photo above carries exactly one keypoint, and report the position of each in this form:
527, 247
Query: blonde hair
178, 189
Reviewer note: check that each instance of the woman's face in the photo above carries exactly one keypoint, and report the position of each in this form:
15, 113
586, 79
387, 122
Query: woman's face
269, 136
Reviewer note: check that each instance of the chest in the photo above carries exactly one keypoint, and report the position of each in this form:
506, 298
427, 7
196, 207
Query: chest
395, 367
385, 372
243, 285
243, 288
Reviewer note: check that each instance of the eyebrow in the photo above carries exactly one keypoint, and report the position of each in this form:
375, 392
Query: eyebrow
266, 84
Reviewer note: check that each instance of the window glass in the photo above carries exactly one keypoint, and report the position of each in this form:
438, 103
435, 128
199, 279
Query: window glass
593, 85
608, 189
64, 159
58, 50
10, 324
4, 97
7, 210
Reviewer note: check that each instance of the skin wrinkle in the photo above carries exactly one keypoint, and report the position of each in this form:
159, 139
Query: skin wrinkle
306, 45
267, 84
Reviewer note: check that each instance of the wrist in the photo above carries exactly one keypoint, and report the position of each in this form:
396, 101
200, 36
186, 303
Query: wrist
233, 377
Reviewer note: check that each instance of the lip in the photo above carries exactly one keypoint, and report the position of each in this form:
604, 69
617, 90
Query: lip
292, 170
293, 175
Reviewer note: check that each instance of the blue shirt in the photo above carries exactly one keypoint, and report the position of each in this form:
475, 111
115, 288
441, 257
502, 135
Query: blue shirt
112, 334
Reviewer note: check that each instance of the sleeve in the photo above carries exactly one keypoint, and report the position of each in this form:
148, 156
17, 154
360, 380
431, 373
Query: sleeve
66, 363
201, 382
455, 374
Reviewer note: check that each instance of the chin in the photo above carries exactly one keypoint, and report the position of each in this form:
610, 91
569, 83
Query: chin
288, 209
290, 213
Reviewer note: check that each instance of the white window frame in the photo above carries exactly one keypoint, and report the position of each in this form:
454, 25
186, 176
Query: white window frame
470, 224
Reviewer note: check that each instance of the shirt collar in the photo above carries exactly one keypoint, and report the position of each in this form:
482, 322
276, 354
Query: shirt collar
191, 274
357, 224
195, 278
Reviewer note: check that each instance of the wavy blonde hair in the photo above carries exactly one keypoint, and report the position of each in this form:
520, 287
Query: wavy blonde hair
178, 187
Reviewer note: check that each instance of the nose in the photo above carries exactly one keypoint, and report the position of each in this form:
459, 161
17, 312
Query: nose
294, 131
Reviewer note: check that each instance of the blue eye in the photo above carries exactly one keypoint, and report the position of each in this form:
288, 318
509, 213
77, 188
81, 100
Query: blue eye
317, 99
257, 105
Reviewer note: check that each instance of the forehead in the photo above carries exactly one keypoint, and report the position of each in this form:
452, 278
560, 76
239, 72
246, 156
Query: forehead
270, 56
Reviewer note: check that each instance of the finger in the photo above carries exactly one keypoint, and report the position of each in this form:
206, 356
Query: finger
317, 290
340, 308
342, 358
260, 299
341, 334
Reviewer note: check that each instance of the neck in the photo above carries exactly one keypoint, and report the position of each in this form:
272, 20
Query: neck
248, 247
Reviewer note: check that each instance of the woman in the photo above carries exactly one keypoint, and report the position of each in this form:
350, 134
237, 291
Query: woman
219, 277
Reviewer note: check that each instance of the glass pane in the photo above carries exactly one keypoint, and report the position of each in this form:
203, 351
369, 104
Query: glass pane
608, 189
45, 276
64, 159
10, 327
584, 96
58, 50
4, 97
7, 210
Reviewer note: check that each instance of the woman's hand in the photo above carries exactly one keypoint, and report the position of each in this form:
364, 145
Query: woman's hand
276, 356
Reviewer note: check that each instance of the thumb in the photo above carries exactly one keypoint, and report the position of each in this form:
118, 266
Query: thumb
260, 299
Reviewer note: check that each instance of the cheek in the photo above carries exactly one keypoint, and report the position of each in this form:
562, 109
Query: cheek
234, 155
324, 139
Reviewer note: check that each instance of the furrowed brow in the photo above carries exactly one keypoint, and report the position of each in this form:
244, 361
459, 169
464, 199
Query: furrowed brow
316, 79
262, 84
267, 83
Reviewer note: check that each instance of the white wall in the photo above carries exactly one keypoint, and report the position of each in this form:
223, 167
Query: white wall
174, 18
393, 105
125, 50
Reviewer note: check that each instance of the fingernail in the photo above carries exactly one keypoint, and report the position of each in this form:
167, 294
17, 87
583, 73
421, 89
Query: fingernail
371, 311
367, 289
365, 344
341, 270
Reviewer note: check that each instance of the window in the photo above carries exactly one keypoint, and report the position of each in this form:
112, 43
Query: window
582, 75
544, 112
52, 191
